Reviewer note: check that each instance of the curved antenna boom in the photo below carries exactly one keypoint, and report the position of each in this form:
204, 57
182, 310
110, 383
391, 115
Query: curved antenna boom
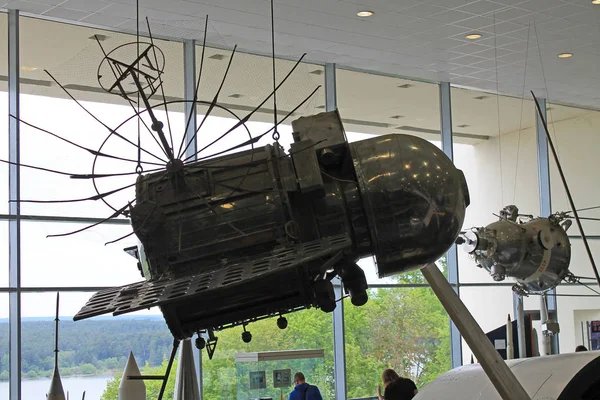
564, 182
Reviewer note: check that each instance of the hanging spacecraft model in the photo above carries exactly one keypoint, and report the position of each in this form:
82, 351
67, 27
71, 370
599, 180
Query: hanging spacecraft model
536, 252
261, 233
255, 232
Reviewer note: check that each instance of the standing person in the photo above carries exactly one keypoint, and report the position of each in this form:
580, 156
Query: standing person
580, 348
396, 387
304, 391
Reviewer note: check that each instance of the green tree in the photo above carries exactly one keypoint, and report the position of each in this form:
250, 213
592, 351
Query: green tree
88, 369
402, 328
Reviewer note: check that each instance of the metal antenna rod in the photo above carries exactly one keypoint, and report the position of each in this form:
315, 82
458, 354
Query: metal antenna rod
56, 332
569, 196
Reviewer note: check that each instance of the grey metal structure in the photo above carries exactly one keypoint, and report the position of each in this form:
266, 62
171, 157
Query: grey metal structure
339, 339
14, 225
536, 252
452, 254
189, 72
519, 313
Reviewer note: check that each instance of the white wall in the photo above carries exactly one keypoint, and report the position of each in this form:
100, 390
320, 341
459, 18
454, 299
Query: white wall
505, 172
577, 141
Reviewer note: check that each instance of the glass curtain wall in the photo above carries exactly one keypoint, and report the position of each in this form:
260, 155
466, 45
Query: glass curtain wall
403, 325
66, 246
247, 84
495, 146
499, 159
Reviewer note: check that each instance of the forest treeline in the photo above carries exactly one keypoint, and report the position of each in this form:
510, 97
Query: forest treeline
90, 347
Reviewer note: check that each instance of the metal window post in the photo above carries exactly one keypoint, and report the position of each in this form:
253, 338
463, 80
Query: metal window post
452, 255
545, 200
14, 225
189, 76
189, 73
339, 344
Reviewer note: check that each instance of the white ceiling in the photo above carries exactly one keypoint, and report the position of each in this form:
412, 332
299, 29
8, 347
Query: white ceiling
415, 38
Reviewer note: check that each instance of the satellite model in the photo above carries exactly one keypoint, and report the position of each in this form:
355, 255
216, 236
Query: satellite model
261, 233
534, 251
235, 238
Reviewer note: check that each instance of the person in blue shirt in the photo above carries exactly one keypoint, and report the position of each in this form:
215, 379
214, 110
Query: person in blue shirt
304, 391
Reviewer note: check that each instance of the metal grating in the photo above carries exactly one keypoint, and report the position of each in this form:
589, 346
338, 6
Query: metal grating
146, 294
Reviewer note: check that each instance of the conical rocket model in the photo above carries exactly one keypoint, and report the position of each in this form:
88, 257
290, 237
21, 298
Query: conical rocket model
510, 347
56, 391
132, 389
186, 382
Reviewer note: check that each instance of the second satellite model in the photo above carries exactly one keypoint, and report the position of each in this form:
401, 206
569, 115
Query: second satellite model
534, 251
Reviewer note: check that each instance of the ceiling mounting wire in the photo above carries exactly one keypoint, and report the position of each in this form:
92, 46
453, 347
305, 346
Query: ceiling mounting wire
139, 169
586, 209
275, 132
521, 119
498, 109
551, 119
593, 290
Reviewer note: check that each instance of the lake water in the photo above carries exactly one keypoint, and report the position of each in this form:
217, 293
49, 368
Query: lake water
37, 389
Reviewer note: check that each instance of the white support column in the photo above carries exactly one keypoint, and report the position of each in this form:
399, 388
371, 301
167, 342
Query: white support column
339, 343
14, 224
519, 314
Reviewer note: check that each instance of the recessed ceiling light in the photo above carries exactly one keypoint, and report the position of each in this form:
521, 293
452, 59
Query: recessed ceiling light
595, 1
236, 95
565, 55
28, 69
364, 13
473, 36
